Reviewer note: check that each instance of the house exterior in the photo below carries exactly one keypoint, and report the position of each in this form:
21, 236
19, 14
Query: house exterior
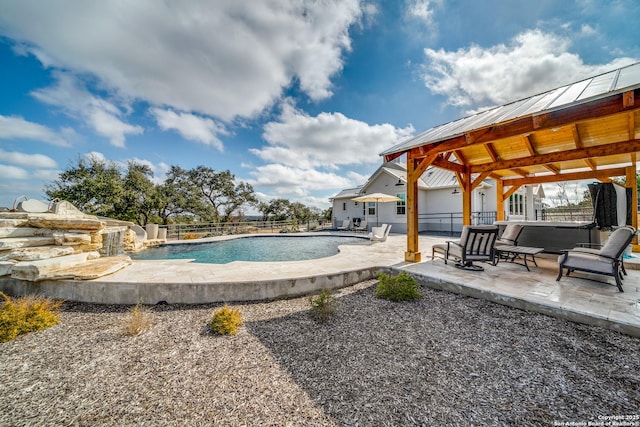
439, 201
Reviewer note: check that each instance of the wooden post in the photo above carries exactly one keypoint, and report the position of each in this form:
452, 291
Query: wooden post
413, 251
499, 200
631, 183
466, 198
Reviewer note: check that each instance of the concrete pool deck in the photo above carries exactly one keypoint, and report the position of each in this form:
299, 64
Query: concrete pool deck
181, 281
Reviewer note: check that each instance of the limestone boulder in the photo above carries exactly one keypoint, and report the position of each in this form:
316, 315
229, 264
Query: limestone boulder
40, 252
5, 267
55, 222
24, 242
41, 269
70, 239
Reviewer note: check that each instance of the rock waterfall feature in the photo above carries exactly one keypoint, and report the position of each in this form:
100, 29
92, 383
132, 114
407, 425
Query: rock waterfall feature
61, 243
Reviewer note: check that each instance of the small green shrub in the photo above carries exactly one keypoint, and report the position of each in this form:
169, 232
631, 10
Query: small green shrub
138, 321
402, 287
322, 305
226, 321
26, 314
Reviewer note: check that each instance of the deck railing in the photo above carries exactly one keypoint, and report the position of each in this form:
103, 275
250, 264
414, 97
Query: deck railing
451, 222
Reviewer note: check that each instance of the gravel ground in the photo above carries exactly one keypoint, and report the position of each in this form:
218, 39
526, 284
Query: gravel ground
445, 360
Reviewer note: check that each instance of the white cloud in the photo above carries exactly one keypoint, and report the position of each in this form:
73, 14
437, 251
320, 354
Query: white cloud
421, 10
224, 59
47, 175
100, 115
13, 172
286, 181
326, 140
14, 127
533, 62
191, 127
30, 160
95, 155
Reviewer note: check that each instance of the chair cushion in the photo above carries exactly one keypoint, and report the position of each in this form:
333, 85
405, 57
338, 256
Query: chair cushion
511, 232
616, 242
587, 261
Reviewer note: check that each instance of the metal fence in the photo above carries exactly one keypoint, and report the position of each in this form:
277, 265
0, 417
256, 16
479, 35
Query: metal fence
210, 229
451, 222
565, 214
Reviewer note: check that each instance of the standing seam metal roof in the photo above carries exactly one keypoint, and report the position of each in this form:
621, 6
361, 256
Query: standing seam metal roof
597, 87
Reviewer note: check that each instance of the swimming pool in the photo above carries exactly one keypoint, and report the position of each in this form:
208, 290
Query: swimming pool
255, 248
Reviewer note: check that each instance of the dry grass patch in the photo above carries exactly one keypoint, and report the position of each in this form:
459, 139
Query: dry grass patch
26, 314
138, 321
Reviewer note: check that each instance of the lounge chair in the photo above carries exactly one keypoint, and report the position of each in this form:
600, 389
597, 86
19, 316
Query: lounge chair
379, 234
606, 261
510, 235
475, 244
344, 226
362, 227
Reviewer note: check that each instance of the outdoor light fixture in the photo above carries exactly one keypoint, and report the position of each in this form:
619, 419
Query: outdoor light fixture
455, 191
399, 183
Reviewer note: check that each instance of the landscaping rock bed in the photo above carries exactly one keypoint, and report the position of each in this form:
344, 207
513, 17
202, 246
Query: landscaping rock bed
444, 360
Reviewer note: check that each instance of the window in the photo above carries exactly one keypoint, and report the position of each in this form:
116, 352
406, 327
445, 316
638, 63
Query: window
372, 208
344, 206
401, 205
516, 204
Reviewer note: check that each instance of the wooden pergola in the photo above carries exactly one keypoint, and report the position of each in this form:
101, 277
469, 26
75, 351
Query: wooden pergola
585, 130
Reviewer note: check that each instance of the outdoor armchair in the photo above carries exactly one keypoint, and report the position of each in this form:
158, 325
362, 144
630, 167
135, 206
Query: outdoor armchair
379, 234
606, 261
344, 226
475, 244
510, 235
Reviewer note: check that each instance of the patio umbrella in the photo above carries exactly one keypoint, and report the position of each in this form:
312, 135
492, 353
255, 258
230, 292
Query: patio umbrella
378, 198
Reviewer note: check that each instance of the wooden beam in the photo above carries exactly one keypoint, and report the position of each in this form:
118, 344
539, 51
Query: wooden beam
479, 180
421, 166
631, 183
460, 157
520, 172
632, 125
499, 200
510, 192
529, 144
445, 164
577, 140
413, 251
598, 174
576, 154
460, 176
466, 199
552, 169
492, 152
628, 99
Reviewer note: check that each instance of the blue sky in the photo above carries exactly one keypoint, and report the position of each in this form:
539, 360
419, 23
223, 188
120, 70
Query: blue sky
297, 98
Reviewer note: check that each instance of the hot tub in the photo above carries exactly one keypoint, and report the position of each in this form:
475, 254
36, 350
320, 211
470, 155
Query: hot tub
554, 236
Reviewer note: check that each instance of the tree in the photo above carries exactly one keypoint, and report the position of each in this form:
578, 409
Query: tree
137, 203
300, 212
92, 185
275, 210
213, 196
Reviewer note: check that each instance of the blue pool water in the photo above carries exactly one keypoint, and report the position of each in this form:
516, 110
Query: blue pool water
265, 248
